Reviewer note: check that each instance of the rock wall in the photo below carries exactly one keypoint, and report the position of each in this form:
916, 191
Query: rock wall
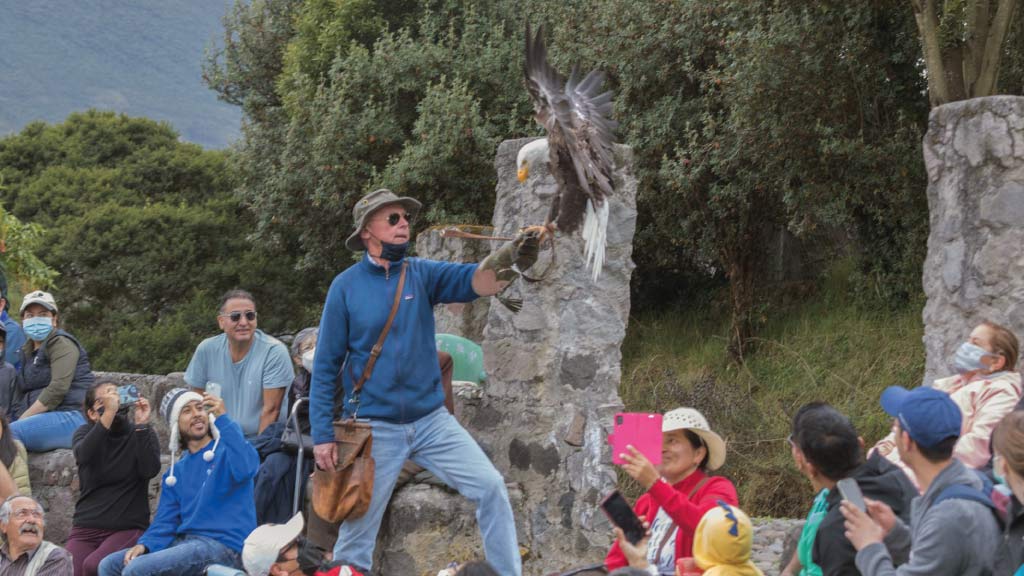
974, 153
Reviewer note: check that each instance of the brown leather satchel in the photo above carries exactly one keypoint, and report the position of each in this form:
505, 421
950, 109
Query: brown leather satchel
345, 492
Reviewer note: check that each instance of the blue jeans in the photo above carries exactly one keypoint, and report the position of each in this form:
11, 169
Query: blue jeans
47, 431
188, 555
438, 443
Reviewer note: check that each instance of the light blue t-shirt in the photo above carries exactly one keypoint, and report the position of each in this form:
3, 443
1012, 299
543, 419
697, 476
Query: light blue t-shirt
267, 365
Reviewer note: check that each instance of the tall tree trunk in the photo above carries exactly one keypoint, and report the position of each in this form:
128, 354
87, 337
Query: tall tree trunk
927, 17
953, 67
989, 74
741, 272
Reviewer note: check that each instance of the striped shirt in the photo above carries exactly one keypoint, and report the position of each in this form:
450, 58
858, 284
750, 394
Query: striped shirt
58, 563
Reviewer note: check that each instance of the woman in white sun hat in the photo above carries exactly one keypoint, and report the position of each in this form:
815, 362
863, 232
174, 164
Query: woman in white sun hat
678, 492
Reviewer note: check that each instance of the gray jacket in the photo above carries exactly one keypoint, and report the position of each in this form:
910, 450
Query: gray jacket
957, 537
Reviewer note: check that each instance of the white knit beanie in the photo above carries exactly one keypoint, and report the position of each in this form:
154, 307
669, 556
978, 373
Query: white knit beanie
170, 409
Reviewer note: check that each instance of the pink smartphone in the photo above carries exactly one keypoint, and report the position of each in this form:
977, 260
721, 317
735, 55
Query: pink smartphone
639, 429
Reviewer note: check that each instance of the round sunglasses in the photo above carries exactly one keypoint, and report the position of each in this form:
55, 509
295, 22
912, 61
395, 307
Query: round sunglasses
236, 316
394, 218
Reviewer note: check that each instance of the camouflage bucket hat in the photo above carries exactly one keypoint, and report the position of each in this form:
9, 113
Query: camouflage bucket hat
367, 205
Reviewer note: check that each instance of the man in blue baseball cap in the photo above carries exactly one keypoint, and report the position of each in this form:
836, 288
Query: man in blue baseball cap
952, 527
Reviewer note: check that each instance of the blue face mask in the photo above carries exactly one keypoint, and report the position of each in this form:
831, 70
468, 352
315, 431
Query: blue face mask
393, 252
38, 327
968, 358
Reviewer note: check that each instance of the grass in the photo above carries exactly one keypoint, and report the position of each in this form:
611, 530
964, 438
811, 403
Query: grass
826, 348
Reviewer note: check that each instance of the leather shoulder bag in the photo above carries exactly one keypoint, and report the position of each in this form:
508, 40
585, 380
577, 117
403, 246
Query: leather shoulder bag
345, 492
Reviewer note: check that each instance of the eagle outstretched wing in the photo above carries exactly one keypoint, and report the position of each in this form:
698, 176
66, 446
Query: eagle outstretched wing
577, 117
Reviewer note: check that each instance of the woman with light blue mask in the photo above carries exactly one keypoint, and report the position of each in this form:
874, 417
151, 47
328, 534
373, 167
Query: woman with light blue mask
54, 377
986, 387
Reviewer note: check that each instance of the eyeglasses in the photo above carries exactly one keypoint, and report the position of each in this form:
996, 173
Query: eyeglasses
394, 217
250, 315
790, 440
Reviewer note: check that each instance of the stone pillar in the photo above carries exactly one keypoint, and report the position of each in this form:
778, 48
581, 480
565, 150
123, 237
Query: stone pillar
554, 370
974, 153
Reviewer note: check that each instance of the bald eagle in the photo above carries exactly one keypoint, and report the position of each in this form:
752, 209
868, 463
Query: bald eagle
578, 148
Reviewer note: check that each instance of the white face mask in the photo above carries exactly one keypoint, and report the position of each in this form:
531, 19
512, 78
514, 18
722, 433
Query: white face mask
307, 360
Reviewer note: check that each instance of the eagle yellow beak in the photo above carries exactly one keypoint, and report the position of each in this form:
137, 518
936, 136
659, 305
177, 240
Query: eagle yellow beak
523, 173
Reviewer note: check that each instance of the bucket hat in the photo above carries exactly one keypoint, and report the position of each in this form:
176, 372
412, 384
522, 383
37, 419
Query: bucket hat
367, 205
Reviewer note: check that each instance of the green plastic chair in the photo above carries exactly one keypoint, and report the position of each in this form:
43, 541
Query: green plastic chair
467, 356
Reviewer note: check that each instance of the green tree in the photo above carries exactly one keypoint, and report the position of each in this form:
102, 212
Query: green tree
745, 120
146, 233
18, 245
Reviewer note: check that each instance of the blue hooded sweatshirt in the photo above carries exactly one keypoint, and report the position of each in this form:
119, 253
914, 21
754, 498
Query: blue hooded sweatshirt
406, 380
212, 499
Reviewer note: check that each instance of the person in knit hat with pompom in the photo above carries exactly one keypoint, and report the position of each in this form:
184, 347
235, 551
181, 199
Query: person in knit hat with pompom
206, 506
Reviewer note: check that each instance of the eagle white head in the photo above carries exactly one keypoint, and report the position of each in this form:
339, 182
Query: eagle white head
529, 156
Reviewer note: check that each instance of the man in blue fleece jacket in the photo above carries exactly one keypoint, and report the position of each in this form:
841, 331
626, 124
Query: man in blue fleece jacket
403, 398
206, 507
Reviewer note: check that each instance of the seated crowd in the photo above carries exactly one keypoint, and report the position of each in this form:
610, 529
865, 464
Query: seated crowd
941, 493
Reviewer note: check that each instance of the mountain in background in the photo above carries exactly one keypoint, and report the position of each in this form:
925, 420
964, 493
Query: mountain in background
138, 57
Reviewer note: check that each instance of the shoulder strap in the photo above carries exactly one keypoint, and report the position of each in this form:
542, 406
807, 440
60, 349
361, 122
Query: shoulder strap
375, 351
963, 492
40, 557
672, 525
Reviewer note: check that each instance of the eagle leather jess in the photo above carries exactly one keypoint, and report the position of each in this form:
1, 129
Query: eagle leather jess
345, 492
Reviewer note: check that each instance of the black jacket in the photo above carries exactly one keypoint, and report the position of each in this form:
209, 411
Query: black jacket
1010, 553
879, 480
114, 469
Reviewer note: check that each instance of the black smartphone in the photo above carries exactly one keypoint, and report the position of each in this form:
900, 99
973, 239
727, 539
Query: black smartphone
621, 514
850, 492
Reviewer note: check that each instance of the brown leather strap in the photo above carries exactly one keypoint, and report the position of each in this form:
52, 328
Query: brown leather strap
672, 526
375, 351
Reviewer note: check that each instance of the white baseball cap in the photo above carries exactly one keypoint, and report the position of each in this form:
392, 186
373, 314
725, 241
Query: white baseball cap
265, 544
44, 299
694, 421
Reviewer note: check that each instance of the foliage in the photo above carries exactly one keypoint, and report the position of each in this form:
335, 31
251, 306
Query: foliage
146, 234
19, 243
747, 120
825, 348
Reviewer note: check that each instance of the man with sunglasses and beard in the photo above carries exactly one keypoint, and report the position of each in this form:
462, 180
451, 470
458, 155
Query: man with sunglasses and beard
403, 397
206, 507
252, 369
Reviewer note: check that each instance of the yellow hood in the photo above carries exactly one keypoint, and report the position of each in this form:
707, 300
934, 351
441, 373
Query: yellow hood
721, 544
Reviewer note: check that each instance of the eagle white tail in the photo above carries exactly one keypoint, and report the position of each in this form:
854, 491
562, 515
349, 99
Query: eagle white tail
595, 236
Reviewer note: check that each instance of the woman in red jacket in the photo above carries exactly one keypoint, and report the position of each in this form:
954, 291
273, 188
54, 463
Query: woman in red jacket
679, 491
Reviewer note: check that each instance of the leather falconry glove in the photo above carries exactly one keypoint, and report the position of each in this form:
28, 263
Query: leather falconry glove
509, 261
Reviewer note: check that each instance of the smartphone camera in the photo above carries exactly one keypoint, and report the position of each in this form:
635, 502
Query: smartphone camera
128, 394
618, 420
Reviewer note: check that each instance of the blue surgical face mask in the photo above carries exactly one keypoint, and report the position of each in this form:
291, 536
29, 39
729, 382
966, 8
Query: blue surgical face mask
968, 358
393, 252
38, 327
